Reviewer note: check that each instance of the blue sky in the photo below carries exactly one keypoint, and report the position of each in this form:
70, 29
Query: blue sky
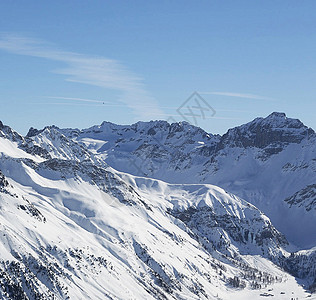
78, 63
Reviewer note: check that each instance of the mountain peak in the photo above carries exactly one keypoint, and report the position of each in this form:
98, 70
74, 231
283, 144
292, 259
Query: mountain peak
277, 115
279, 121
276, 120
8, 133
272, 131
33, 131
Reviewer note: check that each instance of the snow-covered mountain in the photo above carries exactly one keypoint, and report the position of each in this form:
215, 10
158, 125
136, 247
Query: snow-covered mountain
79, 219
265, 162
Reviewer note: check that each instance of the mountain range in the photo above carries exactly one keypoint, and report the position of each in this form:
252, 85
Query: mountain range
159, 211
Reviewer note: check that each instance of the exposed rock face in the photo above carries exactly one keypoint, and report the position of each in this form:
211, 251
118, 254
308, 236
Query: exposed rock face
304, 198
8, 133
212, 228
302, 264
3, 182
33, 131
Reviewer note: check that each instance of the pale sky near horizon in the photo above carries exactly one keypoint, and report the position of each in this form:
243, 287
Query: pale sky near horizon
78, 63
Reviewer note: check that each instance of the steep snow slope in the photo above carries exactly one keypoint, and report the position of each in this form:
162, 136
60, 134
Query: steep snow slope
75, 228
265, 161
81, 242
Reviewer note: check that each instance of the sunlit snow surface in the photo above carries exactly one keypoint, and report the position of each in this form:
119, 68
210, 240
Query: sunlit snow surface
73, 227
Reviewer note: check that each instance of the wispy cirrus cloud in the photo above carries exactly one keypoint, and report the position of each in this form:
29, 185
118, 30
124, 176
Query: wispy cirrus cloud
97, 71
239, 95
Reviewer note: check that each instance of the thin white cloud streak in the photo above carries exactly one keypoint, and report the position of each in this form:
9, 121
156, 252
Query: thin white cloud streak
121, 105
101, 103
106, 103
239, 95
234, 110
78, 99
97, 71
91, 102
72, 104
